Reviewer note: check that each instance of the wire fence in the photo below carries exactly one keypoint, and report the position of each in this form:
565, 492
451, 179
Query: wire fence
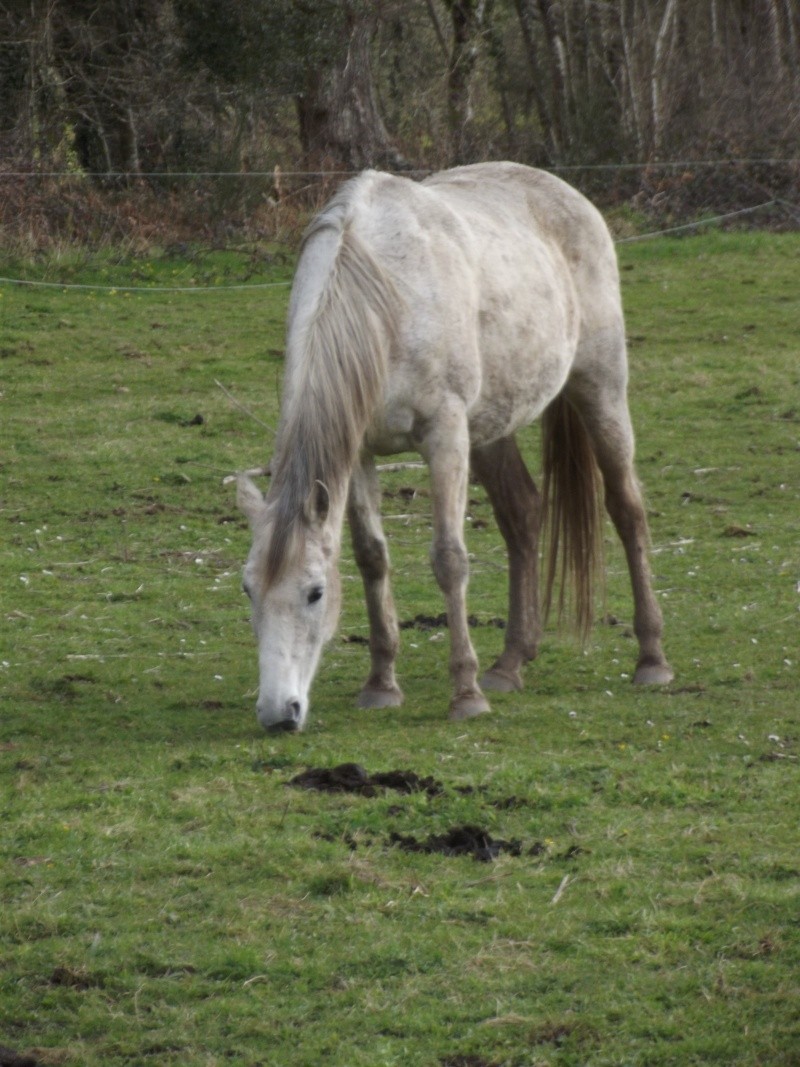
662, 181
35, 283
654, 165
792, 209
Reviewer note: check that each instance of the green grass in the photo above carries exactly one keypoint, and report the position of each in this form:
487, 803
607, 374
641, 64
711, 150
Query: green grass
168, 899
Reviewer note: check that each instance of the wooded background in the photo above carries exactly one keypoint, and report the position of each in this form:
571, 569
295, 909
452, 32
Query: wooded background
137, 89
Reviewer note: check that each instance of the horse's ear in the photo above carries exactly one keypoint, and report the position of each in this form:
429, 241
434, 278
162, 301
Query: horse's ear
318, 504
249, 499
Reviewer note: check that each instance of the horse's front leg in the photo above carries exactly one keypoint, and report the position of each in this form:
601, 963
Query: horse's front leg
372, 557
446, 448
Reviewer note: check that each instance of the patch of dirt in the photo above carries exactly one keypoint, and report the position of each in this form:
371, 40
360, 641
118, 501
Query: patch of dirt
73, 978
438, 622
8, 1058
739, 531
467, 1061
459, 841
552, 1033
353, 778
510, 803
463, 840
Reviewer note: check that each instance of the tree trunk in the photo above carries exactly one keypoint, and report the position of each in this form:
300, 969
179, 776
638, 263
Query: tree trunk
466, 17
550, 127
632, 113
559, 78
658, 81
340, 125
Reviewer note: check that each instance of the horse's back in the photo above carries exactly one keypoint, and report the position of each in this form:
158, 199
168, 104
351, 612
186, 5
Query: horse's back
502, 269
555, 209
546, 211
482, 217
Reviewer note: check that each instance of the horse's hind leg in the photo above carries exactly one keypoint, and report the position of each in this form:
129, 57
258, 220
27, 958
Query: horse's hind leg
604, 409
371, 554
517, 507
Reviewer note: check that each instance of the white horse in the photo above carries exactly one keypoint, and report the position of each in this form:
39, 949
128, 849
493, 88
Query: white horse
442, 317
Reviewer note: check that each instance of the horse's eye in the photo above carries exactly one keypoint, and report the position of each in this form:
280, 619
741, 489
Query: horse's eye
315, 594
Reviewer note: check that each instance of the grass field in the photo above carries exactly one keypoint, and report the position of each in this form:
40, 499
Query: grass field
168, 898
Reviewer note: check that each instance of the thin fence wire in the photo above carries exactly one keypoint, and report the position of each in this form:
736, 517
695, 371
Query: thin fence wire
792, 209
35, 284
666, 164
698, 222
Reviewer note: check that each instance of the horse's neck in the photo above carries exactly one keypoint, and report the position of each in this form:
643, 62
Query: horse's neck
342, 322
301, 479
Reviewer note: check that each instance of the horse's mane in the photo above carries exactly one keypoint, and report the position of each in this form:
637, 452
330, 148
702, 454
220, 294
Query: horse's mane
340, 358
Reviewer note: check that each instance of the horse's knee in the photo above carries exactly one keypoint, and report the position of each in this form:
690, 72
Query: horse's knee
625, 506
450, 564
372, 558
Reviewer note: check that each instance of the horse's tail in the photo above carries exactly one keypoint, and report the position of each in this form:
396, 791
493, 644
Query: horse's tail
572, 519
339, 368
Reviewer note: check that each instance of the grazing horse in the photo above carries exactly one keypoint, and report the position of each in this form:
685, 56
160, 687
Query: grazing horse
443, 316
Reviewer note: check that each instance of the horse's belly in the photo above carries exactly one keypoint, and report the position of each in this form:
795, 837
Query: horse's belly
504, 407
527, 337
494, 326
520, 377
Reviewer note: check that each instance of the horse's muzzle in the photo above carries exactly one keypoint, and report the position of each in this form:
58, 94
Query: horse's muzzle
290, 723
284, 726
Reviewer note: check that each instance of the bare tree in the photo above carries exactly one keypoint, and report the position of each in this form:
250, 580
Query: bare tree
134, 85
467, 19
339, 118
543, 83
661, 64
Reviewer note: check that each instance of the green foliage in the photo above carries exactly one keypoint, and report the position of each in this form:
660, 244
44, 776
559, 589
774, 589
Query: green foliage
167, 897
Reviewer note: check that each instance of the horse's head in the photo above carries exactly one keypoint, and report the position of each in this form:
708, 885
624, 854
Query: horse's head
294, 611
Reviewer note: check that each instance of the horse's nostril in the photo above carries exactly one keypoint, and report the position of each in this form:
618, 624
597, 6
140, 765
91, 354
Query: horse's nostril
291, 721
293, 710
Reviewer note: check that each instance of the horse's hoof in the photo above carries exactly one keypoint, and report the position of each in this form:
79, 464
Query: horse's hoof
371, 697
653, 674
498, 680
468, 705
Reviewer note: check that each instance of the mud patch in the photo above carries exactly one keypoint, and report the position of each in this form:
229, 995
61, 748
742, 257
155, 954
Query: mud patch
73, 978
438, 622
9, 1058
465, 839
467, 1061
459, 841
353, 778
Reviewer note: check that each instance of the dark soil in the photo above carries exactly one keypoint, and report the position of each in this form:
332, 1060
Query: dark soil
467, 1061
464, 840
15, 1059
459, 841
353, 778
438, 622
427, 623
